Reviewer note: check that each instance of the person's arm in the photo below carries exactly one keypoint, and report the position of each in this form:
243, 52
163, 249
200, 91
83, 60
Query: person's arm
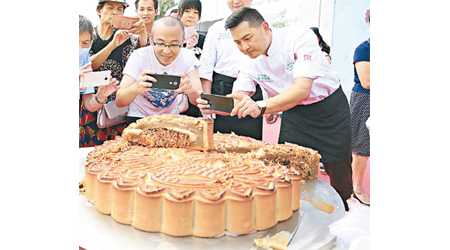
99, 58
287, 99
193, 87
140, 29
130, 87
363, 71
206, 85
291, 97
92, 104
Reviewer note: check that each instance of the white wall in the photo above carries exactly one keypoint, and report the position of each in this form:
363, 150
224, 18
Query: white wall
306, 13
350, 29
214, 9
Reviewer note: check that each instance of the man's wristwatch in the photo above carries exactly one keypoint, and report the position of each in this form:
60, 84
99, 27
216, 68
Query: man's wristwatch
262, 106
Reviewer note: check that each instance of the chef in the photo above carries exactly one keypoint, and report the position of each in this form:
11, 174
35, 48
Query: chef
219, 71
289, 65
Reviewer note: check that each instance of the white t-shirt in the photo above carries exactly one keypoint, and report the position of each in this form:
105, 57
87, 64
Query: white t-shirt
156, 101
220, 53
293, 53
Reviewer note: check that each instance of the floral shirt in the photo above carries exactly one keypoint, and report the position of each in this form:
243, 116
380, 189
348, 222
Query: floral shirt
118, 58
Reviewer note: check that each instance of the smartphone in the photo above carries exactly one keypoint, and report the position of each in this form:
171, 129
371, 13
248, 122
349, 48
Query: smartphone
189, 32
93, 79
123, 22
169, 82
219, 102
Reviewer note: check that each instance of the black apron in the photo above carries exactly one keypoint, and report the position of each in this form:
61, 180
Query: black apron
192, 110
323, 126
247, 126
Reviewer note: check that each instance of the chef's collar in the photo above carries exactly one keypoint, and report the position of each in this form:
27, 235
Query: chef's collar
273, 44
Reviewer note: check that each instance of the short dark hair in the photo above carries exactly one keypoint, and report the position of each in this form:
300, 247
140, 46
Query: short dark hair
189, 4
323, 45
85, 26
252, 16
155, 4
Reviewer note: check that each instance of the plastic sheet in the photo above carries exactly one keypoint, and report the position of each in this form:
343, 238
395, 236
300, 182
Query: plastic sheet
355, 224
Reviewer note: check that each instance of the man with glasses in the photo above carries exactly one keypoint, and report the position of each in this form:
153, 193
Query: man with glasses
165, 57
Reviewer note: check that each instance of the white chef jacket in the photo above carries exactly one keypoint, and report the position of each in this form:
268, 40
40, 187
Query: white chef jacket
220, 53
293, 53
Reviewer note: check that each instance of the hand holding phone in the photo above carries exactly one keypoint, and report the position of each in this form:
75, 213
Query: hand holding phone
169, 82
93, 79
219, 102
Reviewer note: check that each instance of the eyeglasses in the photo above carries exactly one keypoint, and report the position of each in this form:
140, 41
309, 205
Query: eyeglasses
173, 47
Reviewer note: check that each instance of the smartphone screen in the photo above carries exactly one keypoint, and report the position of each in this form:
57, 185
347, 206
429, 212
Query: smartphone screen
219, 102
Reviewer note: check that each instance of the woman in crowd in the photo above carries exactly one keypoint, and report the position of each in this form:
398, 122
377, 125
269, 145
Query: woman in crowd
110, 50
88, 98
359, 113
189, 13
323, 45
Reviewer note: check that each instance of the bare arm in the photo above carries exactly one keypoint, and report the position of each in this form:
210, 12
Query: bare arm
244, 105
103, 92
287, 99
119, 37
195, 89
206, 85
363, 71
99, 58
130, 88
90, 103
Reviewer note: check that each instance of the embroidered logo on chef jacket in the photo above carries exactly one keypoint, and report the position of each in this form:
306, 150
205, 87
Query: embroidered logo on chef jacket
290, 65
224, 35
264, 78
307, 58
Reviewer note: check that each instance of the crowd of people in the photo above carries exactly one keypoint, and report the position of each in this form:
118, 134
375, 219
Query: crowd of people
266, 71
